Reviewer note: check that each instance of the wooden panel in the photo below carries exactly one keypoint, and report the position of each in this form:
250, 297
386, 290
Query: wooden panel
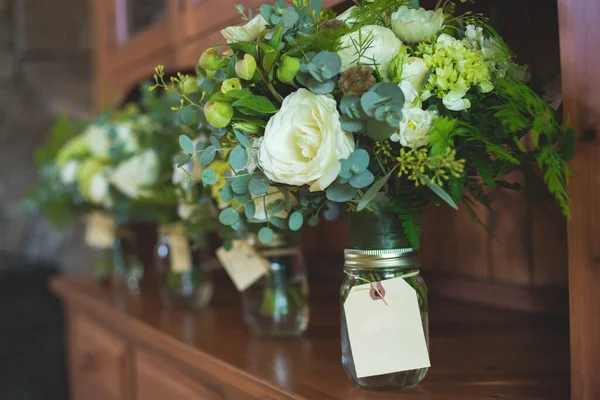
509, 249
100, 362
579, 33
548, 245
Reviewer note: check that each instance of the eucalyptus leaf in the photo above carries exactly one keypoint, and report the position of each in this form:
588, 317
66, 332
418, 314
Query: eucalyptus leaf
243, 199
296, 220
181, 159
249, 210
340, 193
332, 211
313, 220
372, 192
290, 17
238, 158
278, 222
441, 193
209, 177
362, 180
359, 161
186, 144
226, 193
239, 184
241, 138
265, 235
187, 115
208, 155
229, 216
258, 185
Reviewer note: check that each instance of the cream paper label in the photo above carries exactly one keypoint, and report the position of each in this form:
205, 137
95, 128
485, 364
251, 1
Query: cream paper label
243, 264
386, 334
180, 255
100, 231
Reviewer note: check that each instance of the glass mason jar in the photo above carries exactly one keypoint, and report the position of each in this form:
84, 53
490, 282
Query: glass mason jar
277, 304
127, 266
379, 251
183, 271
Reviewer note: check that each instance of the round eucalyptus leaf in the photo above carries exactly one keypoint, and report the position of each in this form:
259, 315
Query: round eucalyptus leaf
239, 184
278, 222
229, 216
238, 158
186, 144
209, 177
250, 210
208, 155
241, 138
258, 185
359, 161
340, 193
265, 235
226, 194
296, 220
313, 220
362, 180
187, 115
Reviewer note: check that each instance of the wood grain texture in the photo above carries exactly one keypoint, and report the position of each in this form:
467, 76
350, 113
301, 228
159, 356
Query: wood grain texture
477, 353
581, 87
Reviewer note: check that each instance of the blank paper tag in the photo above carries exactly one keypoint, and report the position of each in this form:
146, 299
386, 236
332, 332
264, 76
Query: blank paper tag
180, 254
243, 264
99, 231
385, 338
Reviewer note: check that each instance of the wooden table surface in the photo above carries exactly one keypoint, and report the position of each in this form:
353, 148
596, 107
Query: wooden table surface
476, 352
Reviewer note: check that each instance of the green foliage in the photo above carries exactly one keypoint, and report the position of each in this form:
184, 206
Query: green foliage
61, 131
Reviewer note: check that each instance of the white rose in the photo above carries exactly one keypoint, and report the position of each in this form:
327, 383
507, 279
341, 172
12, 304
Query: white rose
245, 33
415, 25
134, 175
263, 202
345, 16
384, 46
414, 128
99, 142
304, 142
68, 173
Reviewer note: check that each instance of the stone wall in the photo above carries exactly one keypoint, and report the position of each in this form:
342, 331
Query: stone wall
45, 68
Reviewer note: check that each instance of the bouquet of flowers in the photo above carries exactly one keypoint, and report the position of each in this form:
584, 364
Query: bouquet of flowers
386, 107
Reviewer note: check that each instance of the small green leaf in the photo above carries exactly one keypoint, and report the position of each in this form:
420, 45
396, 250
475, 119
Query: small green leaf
362, 180
340, 193
226, 194
209, 177
238, 158
296, 220
278, 222
208, 155
257, 104
359, 161
439, 191
265, 235
187, 115
258, 185
249, 210
241, 138
372, 192
182, 159
313, 220
239, 184
186, 144
229, 216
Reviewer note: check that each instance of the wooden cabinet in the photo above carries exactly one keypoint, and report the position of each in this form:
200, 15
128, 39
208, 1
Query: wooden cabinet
133, 346
100, 361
